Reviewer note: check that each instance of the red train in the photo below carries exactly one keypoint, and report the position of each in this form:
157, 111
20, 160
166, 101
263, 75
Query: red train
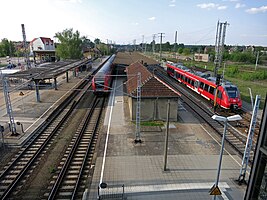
102, 80
228, 96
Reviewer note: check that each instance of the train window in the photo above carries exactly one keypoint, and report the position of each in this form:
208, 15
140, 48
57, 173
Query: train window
211, 90
201, 85
232, 92
196, 84
99, 84
177, 75
182, 77
170, 70
189, 81
219, 94
206, 87
185, 79
192, 82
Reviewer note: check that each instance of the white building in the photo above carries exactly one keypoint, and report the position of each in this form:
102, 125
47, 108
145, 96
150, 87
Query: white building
43, 49
201, 57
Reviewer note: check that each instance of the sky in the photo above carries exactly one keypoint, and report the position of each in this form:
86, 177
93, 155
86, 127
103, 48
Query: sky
126, 21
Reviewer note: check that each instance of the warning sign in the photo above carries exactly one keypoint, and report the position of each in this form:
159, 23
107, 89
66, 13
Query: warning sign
215, 190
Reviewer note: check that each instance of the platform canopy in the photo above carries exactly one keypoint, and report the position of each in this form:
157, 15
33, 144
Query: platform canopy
49, 70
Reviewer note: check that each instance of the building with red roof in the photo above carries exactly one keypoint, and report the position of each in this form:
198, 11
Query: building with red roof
43, 49
155, 95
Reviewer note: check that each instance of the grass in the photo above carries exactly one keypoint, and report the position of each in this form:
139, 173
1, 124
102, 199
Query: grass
52, 169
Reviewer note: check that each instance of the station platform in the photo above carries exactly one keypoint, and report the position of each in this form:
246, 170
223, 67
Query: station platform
132, 170
30, 113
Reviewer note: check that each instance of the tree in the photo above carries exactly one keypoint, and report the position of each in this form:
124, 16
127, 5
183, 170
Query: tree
97, 41
180, 50
87, 43
70, 44
7, 48
186, 51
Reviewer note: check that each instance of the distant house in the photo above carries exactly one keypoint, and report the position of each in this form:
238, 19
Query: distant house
154, 95
201, 57
91, 52
208, 49
43, 49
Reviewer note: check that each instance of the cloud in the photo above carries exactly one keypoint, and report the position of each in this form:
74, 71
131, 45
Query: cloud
207, 5
239, 5
151, 18
172, 3
70, 1
257, 10
253, 35
221, 7
210, 6
135, 23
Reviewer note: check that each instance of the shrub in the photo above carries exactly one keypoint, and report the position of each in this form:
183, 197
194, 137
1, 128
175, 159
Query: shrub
232, 71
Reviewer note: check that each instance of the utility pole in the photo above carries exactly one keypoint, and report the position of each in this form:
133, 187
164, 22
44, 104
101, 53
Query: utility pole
166, 138
219, 45
134, 42
12, 124
138, 109
160, 55
257, 61
175, 41
153, 43
143, 43
26, 55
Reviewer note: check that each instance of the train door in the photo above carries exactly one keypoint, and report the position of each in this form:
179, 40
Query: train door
219, 97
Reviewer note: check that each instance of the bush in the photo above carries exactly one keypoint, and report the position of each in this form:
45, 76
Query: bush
232, 71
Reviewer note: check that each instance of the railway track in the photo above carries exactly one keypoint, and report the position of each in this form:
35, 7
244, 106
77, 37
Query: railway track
15, 174
233, 136
70, 180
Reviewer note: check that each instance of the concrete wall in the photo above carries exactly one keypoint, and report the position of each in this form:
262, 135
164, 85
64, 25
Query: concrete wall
154, 109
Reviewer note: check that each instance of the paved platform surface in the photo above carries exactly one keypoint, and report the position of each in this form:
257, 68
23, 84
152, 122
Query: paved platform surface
193, 155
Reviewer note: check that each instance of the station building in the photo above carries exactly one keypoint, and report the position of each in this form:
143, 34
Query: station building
155, 95
43, 49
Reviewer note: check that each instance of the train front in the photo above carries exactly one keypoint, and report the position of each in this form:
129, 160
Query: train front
100, 84
232, 97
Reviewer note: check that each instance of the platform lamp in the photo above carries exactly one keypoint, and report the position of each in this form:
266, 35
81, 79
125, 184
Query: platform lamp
225, 120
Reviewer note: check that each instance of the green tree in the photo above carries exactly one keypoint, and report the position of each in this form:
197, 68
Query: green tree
70, 44
97, 41
180, 50
7, 48
87, 43
186, 51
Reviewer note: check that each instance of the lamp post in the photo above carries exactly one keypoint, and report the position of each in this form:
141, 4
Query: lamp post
225, 120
